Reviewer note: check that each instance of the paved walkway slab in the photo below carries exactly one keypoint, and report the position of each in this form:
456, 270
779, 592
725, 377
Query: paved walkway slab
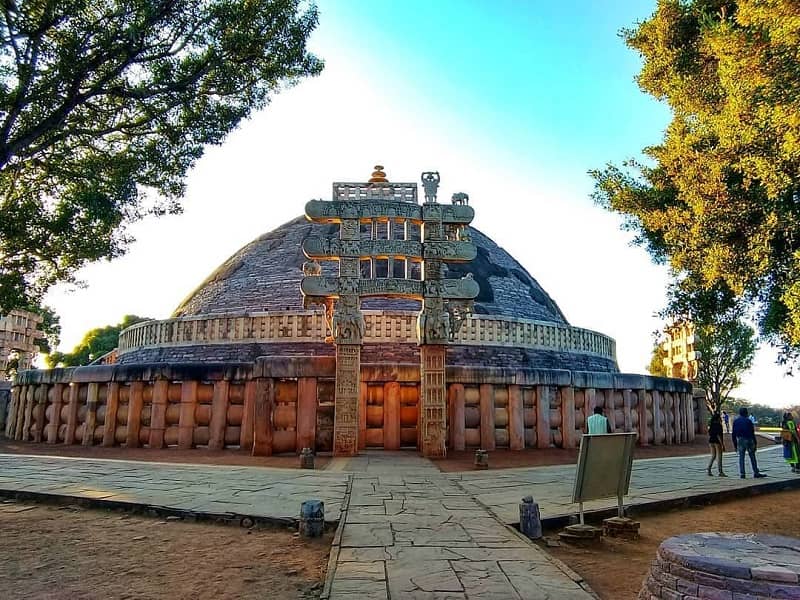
409, 531
272, 494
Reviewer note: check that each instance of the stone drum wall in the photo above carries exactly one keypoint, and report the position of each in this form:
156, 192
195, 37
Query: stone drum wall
280, 405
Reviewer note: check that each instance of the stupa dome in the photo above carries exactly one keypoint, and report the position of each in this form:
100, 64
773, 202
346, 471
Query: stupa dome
251, 306
265, 276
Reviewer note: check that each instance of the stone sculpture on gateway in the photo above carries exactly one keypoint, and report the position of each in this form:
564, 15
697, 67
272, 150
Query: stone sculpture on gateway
343, 294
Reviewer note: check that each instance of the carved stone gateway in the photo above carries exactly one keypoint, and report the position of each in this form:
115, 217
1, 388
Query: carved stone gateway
18, 333
380, 254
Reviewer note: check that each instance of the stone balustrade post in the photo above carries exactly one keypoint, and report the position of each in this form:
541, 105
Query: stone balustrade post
90, 423
187, 419
487, 416
158, 414
112, 409
55, 421
219, 415
568, 417
516, 418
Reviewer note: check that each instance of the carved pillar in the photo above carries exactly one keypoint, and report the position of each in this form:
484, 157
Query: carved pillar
433, 325
434, 402
345, 421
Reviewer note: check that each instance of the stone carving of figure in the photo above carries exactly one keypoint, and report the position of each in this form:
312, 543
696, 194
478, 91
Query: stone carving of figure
460, 198
459, 311
312, 268
349, 326
433, 323
430, 183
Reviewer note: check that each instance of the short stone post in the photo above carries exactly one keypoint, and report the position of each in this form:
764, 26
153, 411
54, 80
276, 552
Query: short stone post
306, 458
312, 518
530, 521
481, 459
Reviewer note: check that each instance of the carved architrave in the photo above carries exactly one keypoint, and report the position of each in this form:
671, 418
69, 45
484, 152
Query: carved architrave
348, 385
333, 211
451, 251
433, 413
333, 248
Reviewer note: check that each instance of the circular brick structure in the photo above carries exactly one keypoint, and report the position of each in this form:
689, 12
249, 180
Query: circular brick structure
724, 566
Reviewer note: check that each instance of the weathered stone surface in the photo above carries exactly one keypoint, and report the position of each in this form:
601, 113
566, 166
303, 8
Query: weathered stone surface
724, 566
266, 274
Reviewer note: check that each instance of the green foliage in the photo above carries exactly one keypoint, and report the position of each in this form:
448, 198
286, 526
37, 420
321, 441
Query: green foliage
727, 348
105, 105
95, 343
766, 416
719, 197
656, 366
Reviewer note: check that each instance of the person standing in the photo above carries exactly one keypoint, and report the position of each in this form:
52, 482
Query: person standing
791, 444
598, 423
716, 443
726, 418
744, 440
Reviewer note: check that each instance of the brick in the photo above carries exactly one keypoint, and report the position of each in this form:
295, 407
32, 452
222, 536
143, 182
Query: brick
774, 573
714, 593
686, 587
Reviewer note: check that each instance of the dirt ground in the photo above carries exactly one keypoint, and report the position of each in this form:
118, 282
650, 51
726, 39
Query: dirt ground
196, 455
71, 553
534, 457
616, 569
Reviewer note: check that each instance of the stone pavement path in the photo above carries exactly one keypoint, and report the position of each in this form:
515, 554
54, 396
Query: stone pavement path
217, 490
652, 480
410, 532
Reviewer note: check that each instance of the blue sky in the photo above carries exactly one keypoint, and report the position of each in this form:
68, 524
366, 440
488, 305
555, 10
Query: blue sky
513, 102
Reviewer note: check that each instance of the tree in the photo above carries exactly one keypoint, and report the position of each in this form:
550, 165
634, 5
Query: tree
95, 343
727, 349
656, 366
105, 105
719, 197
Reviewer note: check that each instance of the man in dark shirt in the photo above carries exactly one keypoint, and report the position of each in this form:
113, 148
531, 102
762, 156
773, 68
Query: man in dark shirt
744, 440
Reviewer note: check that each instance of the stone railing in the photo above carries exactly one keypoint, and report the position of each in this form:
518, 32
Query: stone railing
280, 405
382, 326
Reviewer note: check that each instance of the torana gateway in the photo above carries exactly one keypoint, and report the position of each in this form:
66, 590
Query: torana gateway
377, 320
